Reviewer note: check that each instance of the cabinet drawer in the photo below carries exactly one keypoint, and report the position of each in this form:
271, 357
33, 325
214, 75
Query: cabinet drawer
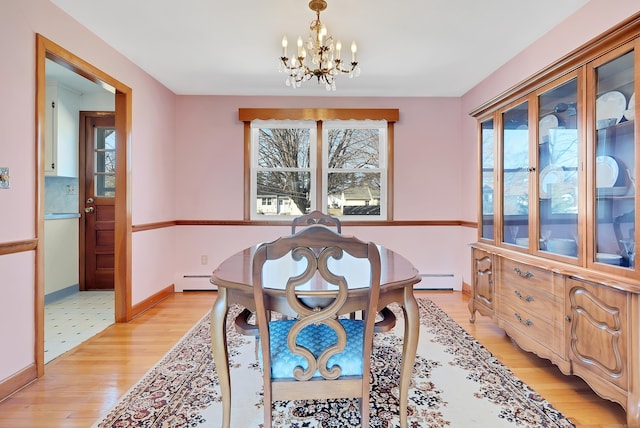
513, 272
529, 297
540, 327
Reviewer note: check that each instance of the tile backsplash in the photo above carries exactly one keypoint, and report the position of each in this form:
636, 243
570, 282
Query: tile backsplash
60, 195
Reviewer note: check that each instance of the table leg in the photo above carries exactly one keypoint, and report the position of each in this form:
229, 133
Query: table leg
409, 349
218, 333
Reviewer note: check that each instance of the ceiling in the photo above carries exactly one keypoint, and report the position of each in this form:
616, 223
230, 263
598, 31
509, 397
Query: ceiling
417, 48
71, 80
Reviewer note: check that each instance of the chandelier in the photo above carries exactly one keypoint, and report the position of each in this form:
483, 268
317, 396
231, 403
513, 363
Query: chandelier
326, 61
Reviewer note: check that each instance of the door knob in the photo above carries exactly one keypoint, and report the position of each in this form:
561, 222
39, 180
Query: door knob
88, 210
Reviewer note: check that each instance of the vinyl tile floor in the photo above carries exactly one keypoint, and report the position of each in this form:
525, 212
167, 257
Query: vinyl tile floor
74, 319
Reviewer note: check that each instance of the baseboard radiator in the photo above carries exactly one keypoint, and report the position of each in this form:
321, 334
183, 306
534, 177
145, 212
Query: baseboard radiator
439, 281
194, 283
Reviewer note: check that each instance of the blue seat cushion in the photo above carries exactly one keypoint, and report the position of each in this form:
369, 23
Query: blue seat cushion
316, 338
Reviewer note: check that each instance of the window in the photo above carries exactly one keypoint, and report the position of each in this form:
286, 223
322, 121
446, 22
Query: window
336, 166
282, 164
354, 174
105, 162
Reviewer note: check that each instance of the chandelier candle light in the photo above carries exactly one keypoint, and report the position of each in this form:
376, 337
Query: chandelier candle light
325, 59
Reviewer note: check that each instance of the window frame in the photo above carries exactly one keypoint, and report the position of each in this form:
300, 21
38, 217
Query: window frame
383, 150
318, 198
256, 125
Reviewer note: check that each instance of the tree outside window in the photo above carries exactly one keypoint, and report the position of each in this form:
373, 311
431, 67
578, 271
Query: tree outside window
338, 167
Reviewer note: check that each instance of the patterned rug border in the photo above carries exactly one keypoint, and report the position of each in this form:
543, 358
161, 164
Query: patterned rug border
169, 395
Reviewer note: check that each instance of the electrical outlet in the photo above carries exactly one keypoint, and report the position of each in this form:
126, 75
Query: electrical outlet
204, 260
4, 178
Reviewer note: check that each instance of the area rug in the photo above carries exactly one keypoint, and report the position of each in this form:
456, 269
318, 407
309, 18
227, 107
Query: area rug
456, 383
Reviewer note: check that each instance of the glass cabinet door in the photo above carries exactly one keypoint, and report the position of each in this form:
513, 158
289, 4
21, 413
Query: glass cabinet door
614, 162
487, 167
558, 155
515, 175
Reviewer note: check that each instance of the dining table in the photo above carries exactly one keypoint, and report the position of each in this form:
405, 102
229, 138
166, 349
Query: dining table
233, 278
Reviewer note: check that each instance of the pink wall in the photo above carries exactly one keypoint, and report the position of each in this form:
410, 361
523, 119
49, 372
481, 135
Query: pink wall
427, 179
152, 151
17, 324
210, 153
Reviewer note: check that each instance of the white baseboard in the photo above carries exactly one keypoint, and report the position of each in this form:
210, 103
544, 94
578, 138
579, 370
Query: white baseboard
194, 283
439, 281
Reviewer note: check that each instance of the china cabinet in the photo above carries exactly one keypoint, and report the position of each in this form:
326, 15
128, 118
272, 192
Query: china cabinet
554, 264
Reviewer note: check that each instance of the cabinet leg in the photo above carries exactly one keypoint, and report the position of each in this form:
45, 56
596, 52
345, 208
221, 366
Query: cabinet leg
472, 309
633, 410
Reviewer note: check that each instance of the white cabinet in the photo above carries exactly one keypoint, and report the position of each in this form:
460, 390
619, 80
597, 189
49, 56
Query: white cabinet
60, 254
61, 131
51, 129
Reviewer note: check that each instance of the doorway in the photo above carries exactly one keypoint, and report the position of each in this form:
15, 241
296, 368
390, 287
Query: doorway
47, 49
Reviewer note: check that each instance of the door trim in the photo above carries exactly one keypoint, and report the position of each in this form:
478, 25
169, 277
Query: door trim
46, 49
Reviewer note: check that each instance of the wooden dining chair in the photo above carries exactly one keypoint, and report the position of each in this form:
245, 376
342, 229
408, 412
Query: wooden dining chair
244, 321
316, 217
315, 354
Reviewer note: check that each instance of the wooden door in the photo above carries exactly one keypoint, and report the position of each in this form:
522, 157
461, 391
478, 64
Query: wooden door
98, 163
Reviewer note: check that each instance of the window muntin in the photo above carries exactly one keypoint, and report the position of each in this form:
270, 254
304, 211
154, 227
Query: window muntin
349, 181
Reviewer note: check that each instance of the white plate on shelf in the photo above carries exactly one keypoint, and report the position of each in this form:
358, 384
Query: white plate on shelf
607, 170
546, 123
550, 175
612, 259
611, 105
630, 113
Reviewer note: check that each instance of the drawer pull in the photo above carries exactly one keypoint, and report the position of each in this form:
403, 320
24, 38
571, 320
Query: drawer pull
525, 275
527, 322
527, 298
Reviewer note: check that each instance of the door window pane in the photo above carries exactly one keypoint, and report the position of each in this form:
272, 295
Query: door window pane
515, 178
615, 162
105, 162
487, 159
558, 170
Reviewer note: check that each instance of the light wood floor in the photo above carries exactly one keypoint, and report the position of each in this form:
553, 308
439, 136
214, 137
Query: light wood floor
84, 383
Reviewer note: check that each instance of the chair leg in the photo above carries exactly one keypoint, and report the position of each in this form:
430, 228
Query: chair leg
258, 337
364, 413
267, 414
257, 347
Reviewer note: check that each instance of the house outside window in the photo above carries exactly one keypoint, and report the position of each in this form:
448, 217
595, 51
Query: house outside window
337, 166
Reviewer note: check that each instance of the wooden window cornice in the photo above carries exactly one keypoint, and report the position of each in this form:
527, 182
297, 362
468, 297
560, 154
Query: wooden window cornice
249, 114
